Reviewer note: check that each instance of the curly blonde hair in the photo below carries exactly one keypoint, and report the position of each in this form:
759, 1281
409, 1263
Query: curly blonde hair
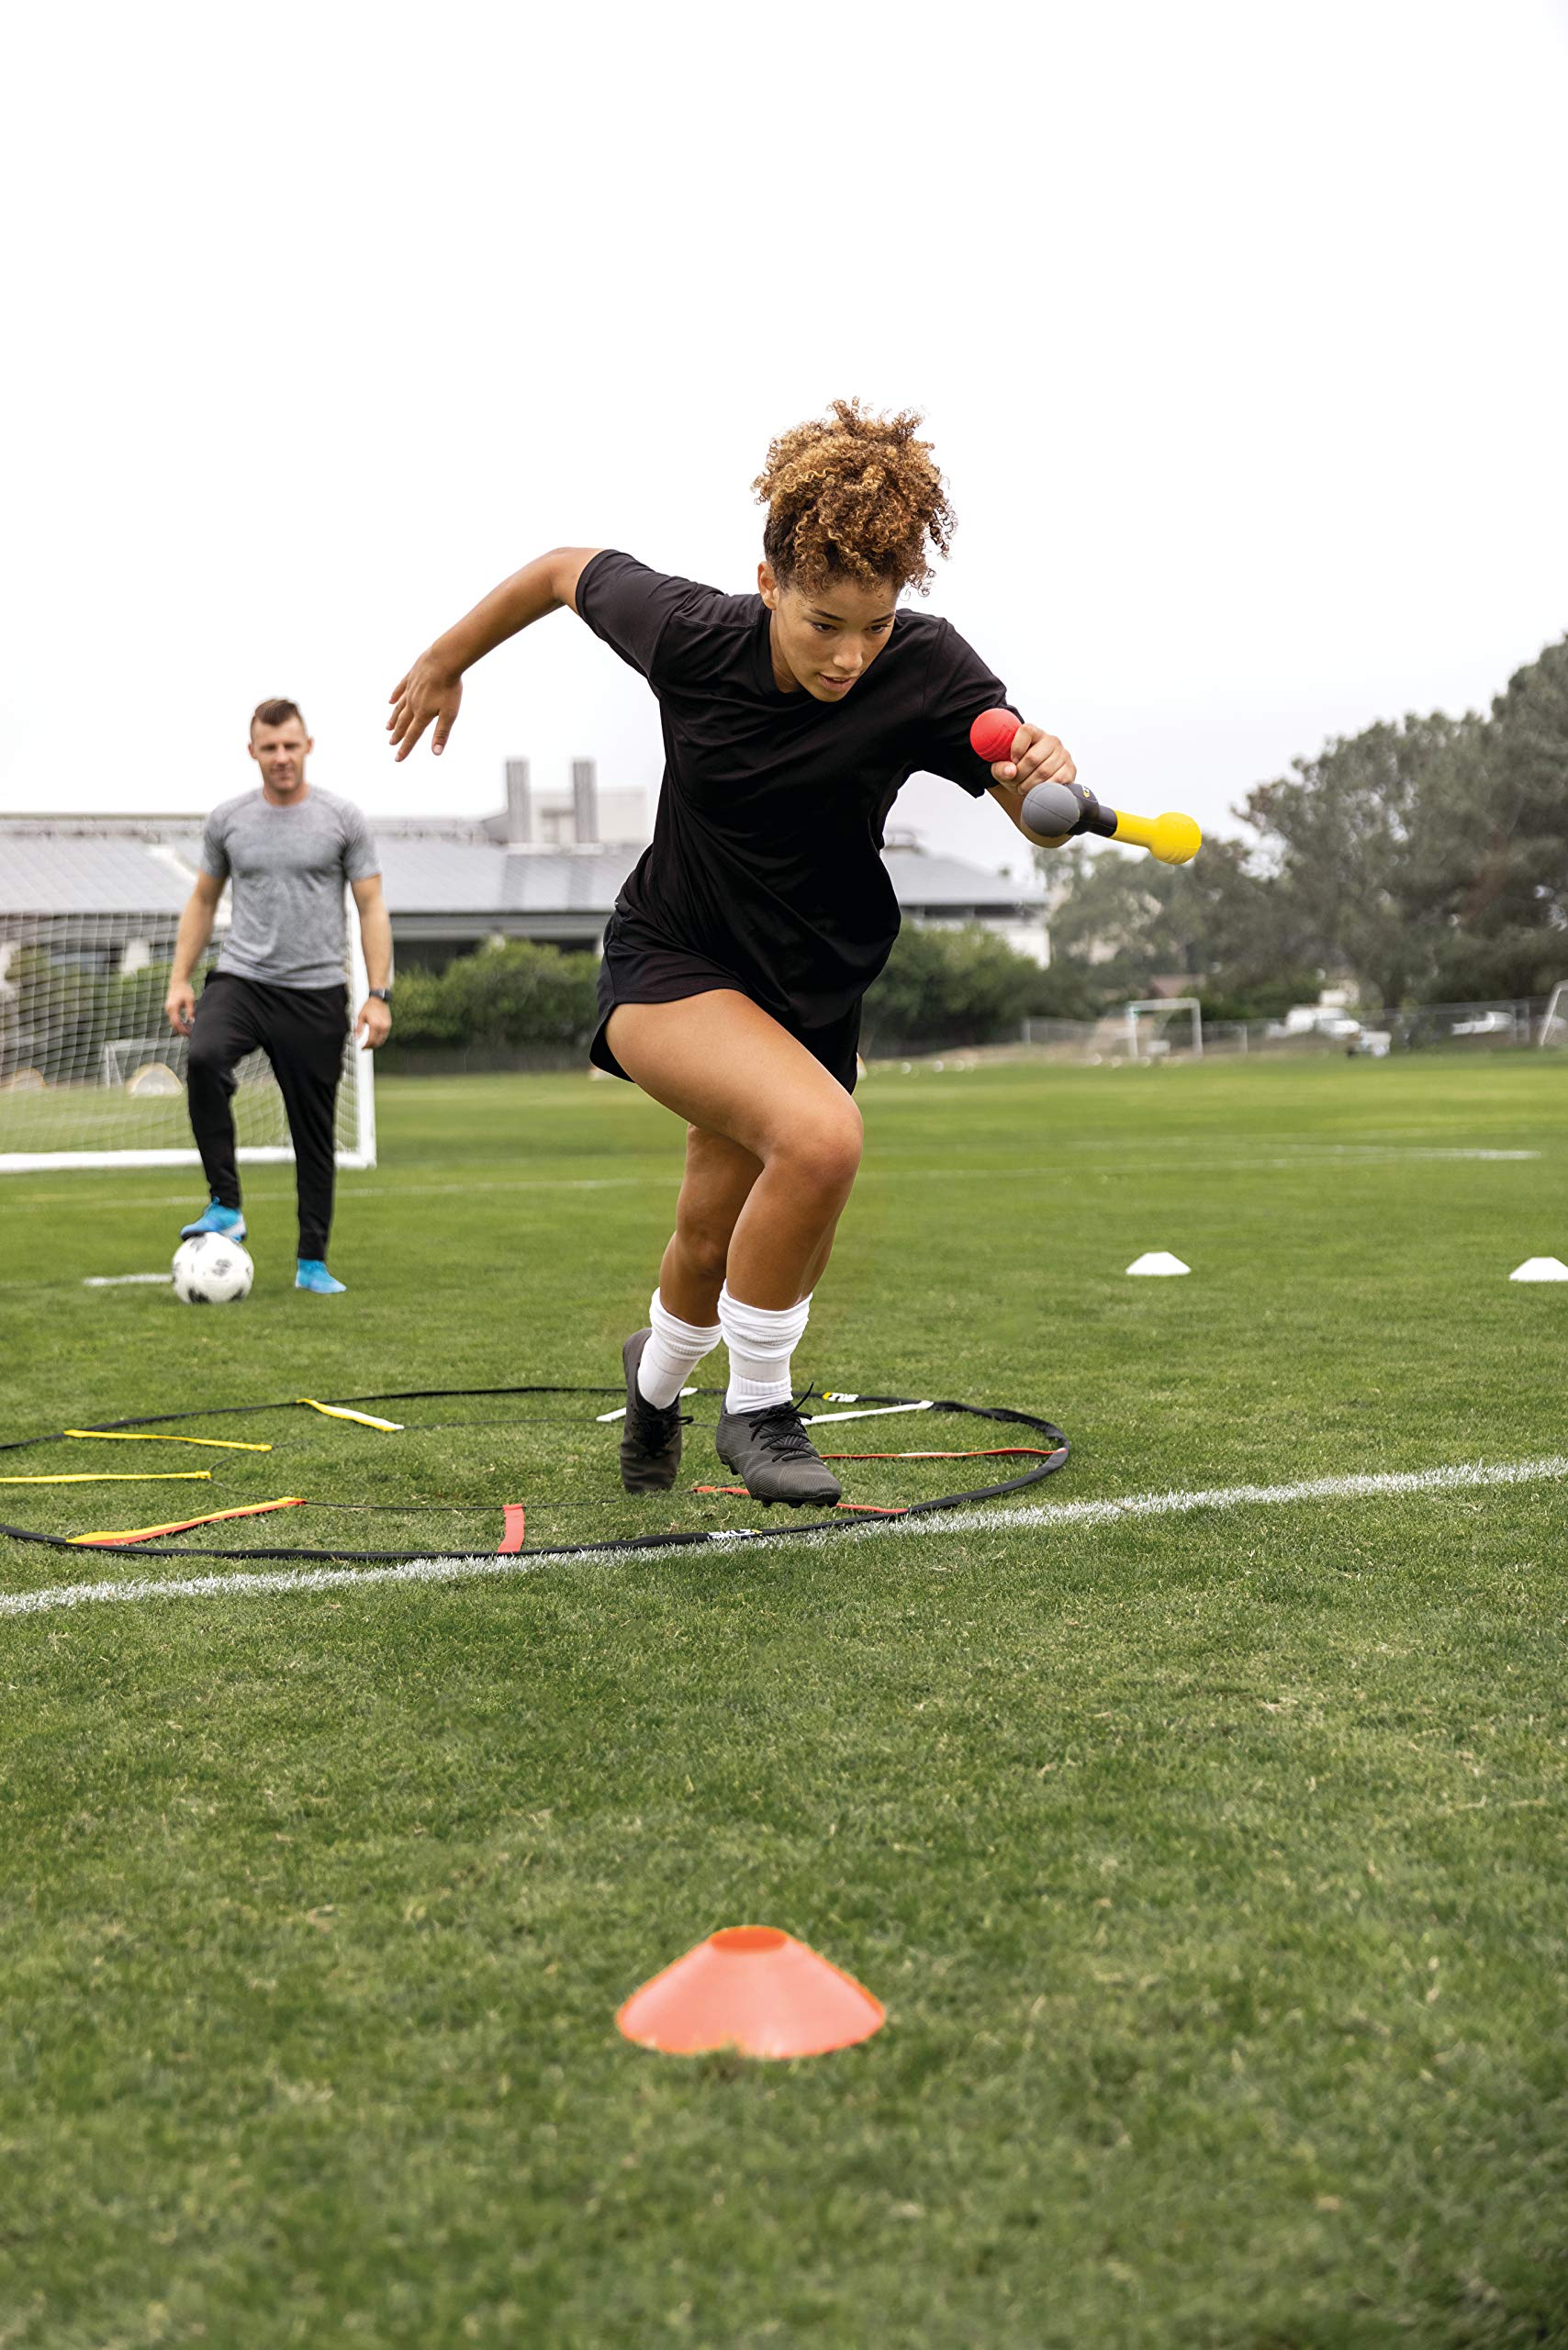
856, 497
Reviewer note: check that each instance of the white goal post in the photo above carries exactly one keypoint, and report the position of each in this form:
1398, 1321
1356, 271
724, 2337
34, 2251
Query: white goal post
1554, 1020
1162, 1005
91, 1075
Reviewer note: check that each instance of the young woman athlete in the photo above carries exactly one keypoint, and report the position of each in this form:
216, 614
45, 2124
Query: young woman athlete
741, 944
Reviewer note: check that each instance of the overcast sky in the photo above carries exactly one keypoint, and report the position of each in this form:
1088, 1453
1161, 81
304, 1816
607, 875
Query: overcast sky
1238, 330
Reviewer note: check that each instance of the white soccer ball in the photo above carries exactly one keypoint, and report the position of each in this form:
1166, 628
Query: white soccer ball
211, 1271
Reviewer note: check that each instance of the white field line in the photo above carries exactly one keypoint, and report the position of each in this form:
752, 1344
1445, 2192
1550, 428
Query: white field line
1391, 1484
1372, 1153
1458, 1477
867, 1412
1309, 1152
1368, 1155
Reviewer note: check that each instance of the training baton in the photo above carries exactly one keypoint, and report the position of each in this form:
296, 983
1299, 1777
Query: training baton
1066, 811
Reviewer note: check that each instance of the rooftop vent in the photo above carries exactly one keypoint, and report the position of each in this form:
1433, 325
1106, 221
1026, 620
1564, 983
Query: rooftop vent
520, 805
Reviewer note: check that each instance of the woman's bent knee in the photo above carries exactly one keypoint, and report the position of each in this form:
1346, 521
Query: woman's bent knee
824, 1153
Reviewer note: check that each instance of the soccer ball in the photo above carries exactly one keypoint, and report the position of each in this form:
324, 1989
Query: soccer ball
211, 1271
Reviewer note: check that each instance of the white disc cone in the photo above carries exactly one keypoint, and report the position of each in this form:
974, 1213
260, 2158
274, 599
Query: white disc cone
1540, 1269
1158, 1260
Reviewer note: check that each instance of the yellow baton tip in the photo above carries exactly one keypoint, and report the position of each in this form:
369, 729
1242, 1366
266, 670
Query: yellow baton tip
1177, 839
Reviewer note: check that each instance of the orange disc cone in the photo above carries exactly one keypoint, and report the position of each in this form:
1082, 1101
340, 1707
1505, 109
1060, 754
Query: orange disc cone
755, 1990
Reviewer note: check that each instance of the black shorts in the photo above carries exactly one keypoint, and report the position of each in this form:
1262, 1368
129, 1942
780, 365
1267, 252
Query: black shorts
638, 968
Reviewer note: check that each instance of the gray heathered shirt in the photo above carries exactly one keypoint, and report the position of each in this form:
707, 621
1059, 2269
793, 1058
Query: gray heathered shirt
288, 867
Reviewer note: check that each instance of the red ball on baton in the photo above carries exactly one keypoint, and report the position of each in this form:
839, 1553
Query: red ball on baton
990, 737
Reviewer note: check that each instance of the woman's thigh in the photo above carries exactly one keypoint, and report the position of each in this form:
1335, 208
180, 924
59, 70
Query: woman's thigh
719, 1061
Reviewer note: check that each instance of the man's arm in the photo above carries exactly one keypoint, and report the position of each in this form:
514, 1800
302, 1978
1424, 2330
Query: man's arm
374, 1021
434, 686
190, 946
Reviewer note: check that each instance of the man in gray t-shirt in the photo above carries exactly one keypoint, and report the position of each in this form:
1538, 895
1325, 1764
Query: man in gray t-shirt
279, 983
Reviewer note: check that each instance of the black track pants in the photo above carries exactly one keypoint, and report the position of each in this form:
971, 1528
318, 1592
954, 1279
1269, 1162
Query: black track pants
301, 1032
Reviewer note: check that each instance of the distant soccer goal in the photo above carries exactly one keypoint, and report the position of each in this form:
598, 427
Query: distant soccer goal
1148, 1022
1554, 1020
91, 1074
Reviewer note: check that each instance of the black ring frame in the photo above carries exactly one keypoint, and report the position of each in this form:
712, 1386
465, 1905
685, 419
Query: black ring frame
839, 1523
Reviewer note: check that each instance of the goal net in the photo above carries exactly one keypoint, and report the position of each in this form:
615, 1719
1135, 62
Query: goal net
91, 1074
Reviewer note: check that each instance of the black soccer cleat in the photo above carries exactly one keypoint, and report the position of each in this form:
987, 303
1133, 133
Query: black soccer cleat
651, 1440
774, 1457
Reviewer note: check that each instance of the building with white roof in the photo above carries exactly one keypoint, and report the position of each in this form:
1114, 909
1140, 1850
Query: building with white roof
111, 887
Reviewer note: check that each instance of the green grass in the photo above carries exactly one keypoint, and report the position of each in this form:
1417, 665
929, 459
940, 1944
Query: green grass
1211, 1866
92, 1116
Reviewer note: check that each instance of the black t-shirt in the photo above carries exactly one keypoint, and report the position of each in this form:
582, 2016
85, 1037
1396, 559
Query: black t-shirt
766, 856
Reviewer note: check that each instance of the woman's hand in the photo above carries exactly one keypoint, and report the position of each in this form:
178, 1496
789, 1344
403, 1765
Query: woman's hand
430, 690
1036, 758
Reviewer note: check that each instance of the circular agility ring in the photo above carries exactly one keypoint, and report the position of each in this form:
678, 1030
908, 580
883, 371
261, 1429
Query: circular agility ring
1042, 1444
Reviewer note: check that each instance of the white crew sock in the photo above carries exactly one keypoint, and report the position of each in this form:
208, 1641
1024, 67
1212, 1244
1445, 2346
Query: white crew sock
761, 1341
672, 1354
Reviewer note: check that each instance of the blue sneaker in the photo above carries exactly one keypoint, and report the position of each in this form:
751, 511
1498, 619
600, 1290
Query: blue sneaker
214, 1218
313, 1275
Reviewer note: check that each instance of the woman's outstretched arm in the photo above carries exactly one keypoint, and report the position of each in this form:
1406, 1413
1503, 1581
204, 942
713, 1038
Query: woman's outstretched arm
433, 687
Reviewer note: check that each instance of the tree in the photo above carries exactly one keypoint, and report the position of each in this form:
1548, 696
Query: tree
508, 994
1359, 845
1504, 847
949, 986
1431, 859
1217, 925
1424, 859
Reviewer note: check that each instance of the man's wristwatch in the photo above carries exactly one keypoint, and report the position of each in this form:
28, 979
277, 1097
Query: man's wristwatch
382, 995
